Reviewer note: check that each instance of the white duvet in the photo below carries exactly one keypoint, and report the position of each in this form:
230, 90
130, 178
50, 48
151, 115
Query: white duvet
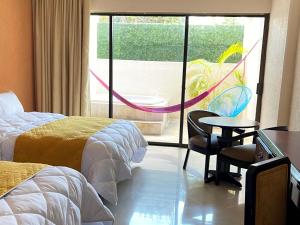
107, 155
54, 196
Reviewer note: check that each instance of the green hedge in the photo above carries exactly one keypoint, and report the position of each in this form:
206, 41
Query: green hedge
161, 42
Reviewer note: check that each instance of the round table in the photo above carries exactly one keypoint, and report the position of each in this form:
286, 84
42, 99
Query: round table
228, 124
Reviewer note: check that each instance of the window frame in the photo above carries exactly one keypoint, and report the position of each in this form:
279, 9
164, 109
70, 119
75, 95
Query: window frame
260, 85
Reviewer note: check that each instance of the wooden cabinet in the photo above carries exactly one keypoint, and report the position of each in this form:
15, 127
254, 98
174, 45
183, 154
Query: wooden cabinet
272, 143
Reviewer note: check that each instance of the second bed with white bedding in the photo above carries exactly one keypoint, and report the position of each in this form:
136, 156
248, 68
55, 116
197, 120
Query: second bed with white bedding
55, 195
107, 154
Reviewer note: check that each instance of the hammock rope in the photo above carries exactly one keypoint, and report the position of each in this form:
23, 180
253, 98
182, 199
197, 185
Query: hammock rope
177, 107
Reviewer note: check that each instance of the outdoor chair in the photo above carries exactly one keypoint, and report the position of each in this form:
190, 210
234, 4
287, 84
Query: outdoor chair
201, 140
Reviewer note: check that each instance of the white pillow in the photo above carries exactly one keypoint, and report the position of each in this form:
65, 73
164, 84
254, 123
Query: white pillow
10, 104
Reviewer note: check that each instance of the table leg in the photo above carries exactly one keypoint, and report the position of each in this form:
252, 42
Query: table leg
225, 173
211, 176
229, 176
227, 133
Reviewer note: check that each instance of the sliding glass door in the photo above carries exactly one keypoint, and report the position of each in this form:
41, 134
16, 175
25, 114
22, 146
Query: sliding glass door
147, 65
226, 48
153, 69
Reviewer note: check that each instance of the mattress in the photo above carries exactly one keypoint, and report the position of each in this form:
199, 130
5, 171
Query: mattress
107, 155
55, 195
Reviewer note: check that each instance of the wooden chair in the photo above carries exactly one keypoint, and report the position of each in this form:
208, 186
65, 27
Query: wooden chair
267, 192
241, 156
201, 140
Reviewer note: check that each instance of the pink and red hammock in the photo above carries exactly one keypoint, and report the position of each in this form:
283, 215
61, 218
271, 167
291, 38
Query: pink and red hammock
177, 107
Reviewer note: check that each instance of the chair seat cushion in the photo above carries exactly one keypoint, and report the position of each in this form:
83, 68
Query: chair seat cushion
201, 142
244, 153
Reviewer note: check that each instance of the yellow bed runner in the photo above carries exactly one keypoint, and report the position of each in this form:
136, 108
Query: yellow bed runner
12, 174
58, 143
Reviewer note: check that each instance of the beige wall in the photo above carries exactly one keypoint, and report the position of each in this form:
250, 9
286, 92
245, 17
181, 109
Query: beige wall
295, 105
274, 62
280, 62
182, 6
289, 62
16, 70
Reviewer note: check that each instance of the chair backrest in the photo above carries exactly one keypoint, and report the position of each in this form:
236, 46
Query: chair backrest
192, 120
267, 192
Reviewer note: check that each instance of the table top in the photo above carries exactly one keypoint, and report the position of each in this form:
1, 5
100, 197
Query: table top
228, 122
283, 143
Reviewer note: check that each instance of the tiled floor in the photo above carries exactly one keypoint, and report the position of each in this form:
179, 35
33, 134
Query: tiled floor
161, 193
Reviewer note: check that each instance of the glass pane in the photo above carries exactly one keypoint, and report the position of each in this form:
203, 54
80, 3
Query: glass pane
216, 46
99, 64
147, 65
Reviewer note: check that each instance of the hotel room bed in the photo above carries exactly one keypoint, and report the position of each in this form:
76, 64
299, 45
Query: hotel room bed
107, 154
54, 195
